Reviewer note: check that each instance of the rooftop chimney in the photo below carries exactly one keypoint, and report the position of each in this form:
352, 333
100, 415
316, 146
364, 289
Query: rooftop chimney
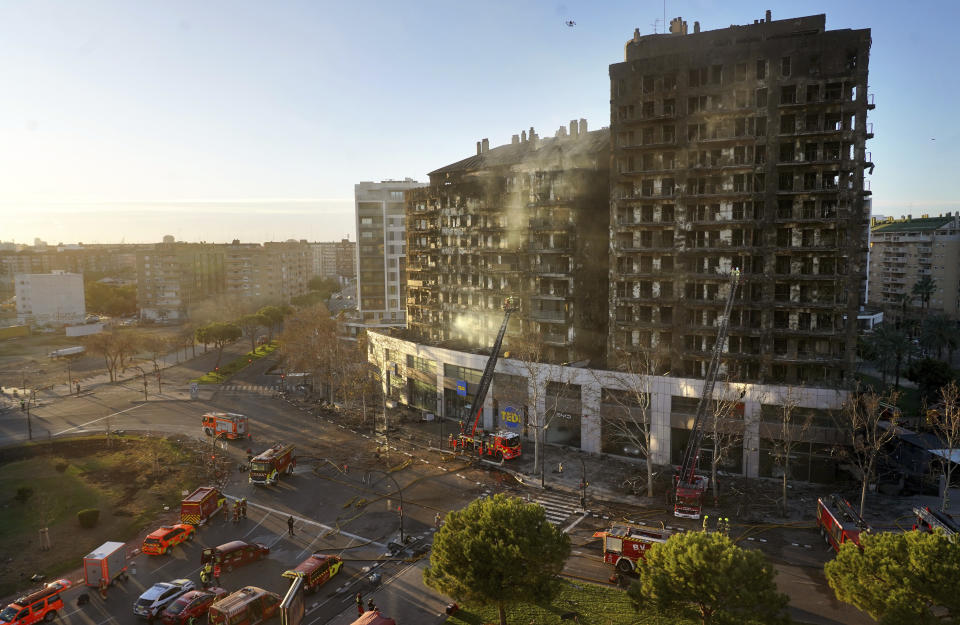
696, 27
479, 149
769, 15
486, 145
678, 26
583, 127
636, 34
523, 136
574, 128
515, 139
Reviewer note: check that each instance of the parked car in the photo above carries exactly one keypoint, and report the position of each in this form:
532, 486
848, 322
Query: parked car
154, 599
194, 604
159, 542
233, 554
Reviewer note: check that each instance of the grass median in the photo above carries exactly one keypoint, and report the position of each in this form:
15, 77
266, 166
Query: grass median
237, 364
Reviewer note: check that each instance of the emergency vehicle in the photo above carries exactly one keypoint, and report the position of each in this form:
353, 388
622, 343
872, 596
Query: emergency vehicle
194, 604
500, 445
225, 424
159, 542
839, 522
267, 467
201, 504
315, 571
248, 606
624, 545
154, 599
930, 520
41, 605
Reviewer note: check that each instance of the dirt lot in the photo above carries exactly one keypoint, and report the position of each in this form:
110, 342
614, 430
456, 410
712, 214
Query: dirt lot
130, 480
25, 360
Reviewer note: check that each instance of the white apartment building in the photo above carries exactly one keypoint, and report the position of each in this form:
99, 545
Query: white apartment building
54, 298
382, 251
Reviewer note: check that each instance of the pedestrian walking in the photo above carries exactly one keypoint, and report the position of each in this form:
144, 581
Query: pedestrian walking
102, 588
290, 525
216, 573
359, 605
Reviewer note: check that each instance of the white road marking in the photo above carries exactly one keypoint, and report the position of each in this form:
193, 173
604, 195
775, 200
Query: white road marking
574, 524
318, 524
77, 427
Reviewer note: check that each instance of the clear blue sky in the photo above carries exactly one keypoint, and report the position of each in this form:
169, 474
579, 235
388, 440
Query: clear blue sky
131, 120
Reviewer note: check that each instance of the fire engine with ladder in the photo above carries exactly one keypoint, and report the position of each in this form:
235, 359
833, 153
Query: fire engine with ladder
502, 444
930, 520
838, 522
267, 467
688, 486
625, 545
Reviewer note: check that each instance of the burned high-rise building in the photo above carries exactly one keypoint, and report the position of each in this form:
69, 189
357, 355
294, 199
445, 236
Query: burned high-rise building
741, 148
530, 220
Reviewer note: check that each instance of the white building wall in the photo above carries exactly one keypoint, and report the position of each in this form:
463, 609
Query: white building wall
662, 389
55, 298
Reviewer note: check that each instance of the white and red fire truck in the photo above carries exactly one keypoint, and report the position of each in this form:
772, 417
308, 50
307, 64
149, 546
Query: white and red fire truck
225, 425
930, 520
625, 545
267, 467
839, 522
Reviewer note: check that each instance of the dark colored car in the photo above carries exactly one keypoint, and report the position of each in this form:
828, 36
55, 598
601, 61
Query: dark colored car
195, 604
233, 554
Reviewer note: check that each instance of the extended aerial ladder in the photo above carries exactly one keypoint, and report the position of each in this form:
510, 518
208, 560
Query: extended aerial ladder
688, 486
502, 444
929, 520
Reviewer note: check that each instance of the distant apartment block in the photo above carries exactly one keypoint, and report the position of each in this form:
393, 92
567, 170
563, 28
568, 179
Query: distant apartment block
528, 220
55, 298
172, 277
903, 251
742, 147
272, 273
105, 259
335, 259
381, 251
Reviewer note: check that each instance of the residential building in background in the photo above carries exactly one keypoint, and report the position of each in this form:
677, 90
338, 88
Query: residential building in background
528, 220
54, 298
742, 147
171, 277
114, 260
272, 273
381, 251
335, 260
904, 251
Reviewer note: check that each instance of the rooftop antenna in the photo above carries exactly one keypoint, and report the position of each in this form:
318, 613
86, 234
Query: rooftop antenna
653, 25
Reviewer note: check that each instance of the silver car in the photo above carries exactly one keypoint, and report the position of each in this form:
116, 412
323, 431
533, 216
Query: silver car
154, 599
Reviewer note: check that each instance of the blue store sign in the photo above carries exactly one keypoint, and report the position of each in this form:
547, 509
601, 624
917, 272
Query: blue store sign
462, 388
511, 417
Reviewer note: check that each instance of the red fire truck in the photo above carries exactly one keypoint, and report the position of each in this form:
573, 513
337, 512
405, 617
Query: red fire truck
267, 467
838, 522
225, 425
201, 504
930, 520
624, 545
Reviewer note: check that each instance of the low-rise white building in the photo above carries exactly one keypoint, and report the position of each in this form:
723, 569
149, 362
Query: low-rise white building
54, 298
578, 407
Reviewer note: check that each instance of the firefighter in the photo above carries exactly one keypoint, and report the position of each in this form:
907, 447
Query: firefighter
706, 517
216, 573
290, 525
371, 607
436, 521
205, 578
102, 588
236, 512
243, 508
359, 605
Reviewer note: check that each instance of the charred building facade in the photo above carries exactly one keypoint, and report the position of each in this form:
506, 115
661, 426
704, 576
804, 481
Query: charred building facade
744, 148
528, 220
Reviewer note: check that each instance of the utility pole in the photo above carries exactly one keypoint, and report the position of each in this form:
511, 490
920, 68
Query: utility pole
29, 425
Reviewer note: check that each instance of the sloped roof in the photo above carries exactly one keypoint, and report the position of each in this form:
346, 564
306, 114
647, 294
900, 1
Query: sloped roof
570, 149
913, 225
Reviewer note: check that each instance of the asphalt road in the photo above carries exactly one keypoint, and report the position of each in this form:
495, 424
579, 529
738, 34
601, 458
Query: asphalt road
323, 499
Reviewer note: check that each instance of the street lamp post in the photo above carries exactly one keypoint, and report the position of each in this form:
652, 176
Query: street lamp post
367, 480
583, 485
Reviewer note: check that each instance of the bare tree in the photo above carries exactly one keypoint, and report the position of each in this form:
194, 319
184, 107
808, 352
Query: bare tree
726, 429
111, 348
630, 421
869, 425
309, 344
788, 431
156, 346
945, 422
529, 350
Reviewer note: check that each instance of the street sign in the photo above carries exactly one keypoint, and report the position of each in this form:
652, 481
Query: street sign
510, 417
462, 388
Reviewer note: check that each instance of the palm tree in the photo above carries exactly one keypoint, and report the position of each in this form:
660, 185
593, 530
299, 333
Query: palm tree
890, 344
924, 288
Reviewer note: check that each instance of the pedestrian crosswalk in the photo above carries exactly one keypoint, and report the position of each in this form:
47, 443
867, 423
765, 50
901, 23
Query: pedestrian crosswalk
558, 507
259, 389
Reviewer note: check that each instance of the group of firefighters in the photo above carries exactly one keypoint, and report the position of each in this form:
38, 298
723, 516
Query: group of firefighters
239, 509
210, 572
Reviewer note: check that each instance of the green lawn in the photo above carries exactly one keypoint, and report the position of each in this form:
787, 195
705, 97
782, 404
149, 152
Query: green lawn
594, 605
235, 365
909, 401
